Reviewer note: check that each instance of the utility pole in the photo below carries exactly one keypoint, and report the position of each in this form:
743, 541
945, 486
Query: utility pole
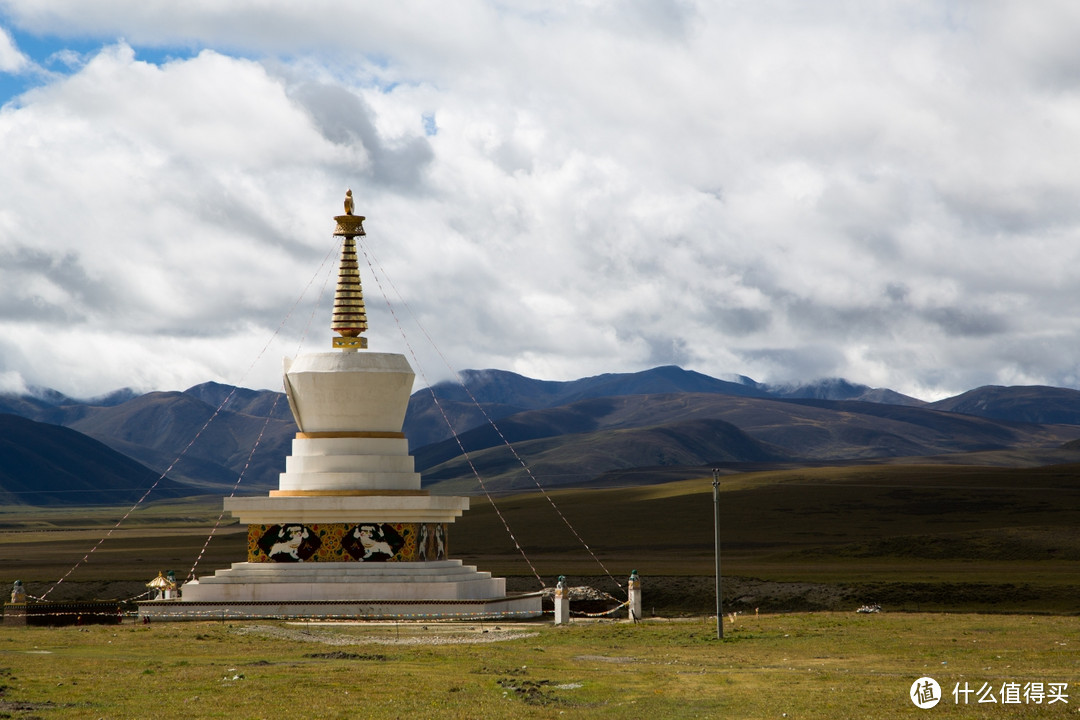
716, 528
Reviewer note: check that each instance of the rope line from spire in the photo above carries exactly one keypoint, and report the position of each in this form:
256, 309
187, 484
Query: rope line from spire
232, 493
468, 459
273, 407
372, 262
213, 416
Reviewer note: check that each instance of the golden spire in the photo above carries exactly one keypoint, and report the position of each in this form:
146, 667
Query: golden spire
350, 317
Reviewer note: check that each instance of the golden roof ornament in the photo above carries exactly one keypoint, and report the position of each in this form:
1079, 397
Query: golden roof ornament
350, 316
163, 583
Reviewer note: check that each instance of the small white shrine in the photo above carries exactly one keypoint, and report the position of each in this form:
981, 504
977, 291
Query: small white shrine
164, 587
349, 533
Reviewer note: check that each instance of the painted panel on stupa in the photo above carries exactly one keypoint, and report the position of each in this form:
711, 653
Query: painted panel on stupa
347, 542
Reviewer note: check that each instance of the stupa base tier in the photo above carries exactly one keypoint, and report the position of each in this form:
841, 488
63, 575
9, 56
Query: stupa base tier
345, 590
514, 607
339, 481
349, 463
347, 543
354, 509
348, 391
436, 580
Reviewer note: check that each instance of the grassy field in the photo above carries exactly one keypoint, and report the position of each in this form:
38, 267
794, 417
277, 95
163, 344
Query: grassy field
920, 537
923, 538
820, 665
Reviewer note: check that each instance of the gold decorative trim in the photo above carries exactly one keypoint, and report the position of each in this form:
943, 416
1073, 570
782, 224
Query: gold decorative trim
346, 493
349, 225
349, 319
357, 434
350, 343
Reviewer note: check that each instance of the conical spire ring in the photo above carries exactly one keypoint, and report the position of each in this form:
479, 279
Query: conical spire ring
350, 316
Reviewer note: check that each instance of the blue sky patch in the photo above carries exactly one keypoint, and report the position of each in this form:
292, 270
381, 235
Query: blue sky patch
430, 128
63, 56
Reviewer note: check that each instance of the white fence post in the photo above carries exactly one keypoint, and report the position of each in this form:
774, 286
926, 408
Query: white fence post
633, 594
562, 602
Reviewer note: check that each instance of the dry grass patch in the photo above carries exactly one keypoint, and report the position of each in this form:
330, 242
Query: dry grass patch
821, 665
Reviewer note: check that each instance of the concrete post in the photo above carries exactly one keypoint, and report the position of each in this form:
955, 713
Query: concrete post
562, 602
634, 596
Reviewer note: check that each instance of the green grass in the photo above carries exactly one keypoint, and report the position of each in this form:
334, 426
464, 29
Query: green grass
807, 666
872, 523
947, 537
921, 537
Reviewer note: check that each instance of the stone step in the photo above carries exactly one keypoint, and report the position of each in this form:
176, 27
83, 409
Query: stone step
349, 481
350, 446
509, 608
349, 464
350, 572
259, 582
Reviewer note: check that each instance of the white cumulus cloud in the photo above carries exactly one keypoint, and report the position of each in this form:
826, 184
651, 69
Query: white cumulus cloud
12, 60
777, 190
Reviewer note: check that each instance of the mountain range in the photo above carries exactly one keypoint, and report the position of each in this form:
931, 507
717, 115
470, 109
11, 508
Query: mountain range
651, 426
42, 464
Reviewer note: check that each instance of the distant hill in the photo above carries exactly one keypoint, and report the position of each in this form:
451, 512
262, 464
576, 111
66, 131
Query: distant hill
155, 428
840, 389
42, 464
26, 406
257, 403
578, 458
808, 429
583, 430
500, 394
507, 388
429, 421
782, 430
1033, 403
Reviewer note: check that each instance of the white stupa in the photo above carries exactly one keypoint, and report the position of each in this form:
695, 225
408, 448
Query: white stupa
349, 533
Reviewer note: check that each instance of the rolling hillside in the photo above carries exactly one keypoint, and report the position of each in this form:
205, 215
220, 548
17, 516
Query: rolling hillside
578, 458
154, 428
643, 426
43, 464
579, 439
1033, 404
497, 394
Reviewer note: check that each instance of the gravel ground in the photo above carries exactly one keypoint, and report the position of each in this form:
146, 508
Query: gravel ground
449, 634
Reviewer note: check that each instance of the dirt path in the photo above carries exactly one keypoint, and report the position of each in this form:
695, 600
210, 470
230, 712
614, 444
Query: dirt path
453, 634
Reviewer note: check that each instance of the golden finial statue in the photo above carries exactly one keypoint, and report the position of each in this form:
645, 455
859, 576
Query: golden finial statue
350, 316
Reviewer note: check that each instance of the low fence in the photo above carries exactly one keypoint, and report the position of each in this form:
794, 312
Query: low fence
63, 613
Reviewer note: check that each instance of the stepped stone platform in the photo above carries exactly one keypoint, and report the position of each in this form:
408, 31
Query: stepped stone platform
521, 607
346, 590
440, 580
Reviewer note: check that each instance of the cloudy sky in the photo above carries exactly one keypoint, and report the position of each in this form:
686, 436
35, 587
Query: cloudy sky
883, 191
